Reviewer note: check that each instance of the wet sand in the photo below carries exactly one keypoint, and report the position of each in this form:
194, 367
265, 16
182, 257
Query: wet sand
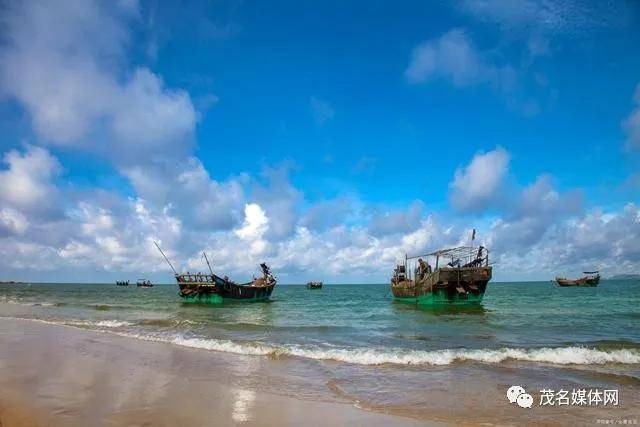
59, 376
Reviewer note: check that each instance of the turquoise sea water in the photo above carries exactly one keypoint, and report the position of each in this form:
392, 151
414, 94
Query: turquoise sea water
536, 322
354, 343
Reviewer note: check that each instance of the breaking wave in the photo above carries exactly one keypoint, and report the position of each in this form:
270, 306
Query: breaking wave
112, 323
366, 356
572, 355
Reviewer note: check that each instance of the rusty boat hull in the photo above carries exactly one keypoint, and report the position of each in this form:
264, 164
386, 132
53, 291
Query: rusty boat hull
213, 289
445, 286
583, 281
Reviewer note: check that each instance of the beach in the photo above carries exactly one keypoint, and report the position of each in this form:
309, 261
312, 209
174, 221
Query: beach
67, 360
56, 375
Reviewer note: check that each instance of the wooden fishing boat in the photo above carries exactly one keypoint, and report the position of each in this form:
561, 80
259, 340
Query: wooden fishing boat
591, 278
144, 283
314, 285
122, 283
460, 281
210, 288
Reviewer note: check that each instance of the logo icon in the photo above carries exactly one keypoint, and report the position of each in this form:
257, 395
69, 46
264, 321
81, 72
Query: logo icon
517, 394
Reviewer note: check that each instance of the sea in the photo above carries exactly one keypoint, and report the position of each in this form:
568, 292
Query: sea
358, 342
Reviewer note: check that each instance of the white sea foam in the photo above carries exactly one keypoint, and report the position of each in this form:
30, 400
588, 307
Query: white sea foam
369, 356
94, 323
365, 356
112, 323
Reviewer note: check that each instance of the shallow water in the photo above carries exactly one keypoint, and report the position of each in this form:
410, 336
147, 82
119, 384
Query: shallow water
359, 344
535, 321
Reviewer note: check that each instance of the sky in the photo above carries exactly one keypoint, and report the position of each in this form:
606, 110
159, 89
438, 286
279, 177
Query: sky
325, 138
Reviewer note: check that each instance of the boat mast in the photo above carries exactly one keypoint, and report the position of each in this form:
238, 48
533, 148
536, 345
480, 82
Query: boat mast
207, 259
165, 258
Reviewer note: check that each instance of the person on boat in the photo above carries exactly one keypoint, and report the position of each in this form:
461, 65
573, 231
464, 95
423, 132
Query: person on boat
424, 267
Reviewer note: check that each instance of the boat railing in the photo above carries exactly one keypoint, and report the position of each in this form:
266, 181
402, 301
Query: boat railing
459, 257
195, 278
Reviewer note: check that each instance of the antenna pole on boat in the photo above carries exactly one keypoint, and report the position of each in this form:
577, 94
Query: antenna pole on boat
207, 259
165, 257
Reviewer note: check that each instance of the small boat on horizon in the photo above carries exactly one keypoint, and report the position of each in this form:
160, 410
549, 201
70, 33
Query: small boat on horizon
122, 283
144, 283
460, 281
314, 285
210, 288
590, 279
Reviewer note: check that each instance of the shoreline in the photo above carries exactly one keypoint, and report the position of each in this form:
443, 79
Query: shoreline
54, 374
59, 375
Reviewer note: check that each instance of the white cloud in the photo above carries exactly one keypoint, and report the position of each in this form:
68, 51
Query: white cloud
453, 56
325, 214
151, 115
65, 65
477, 185
108, 234
596, 240
255, 223
26, 184
631, 124
399, 221
12, 221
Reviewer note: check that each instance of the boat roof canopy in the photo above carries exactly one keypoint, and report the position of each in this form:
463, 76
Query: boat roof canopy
590, 272
460, 252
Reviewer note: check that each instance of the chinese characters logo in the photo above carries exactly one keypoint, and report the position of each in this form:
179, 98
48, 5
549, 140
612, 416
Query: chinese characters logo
562, 397
516, 394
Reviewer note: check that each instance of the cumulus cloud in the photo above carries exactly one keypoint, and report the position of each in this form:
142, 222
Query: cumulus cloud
12, 222
477, 185
596, 240
328, 213
66, 66
279, 198
453, 57
534, 211
26, 184
187, 190
631, 124
402, 221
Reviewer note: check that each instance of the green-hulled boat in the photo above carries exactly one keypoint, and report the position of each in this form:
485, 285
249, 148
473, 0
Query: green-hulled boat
460, 281
212, 289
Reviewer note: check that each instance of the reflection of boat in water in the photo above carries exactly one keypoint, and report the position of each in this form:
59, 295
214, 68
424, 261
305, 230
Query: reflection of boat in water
462, 280
122, 283
314, 285
144, 283
210, 288
591, 278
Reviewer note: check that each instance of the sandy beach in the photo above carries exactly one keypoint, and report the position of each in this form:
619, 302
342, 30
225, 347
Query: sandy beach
60, 376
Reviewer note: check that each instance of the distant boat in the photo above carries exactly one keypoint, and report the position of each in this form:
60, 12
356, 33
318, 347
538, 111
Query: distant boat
122, 283
460, 277
144, 283
213, 289
591, 278
314, 285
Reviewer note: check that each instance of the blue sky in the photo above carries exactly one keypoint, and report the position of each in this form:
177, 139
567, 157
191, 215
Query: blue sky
325, 138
